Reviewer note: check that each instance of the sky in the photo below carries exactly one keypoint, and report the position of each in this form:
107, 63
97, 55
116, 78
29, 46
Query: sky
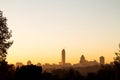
42, 28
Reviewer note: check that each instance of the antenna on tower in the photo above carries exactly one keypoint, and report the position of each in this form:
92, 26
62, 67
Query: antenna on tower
1, 13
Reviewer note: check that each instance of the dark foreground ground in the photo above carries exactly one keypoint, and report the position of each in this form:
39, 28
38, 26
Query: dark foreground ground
33, 72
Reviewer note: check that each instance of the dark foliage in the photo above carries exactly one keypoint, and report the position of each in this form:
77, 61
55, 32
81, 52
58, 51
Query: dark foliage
33, 72
70, 74
117, 58
6, 71
5, 35
29, 72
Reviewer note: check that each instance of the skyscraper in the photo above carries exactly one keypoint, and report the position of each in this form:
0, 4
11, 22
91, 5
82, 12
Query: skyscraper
82, 59
1, 13
102, 60
63, 56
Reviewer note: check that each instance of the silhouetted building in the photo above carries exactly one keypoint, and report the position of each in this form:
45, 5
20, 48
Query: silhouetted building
63, 56
1, 13
102, 60
85, 63
82, 59
29, 62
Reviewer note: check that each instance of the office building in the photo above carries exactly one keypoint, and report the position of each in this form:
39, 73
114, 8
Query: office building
102, 60
82, 59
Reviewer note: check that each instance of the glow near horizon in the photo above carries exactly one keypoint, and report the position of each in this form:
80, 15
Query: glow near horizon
42, 28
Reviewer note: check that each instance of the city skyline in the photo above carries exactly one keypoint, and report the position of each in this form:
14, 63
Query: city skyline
82, 60
41, 29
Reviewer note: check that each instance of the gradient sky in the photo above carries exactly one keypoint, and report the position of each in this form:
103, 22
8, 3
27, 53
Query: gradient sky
42, 28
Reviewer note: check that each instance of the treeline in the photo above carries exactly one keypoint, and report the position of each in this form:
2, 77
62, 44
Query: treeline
33, 72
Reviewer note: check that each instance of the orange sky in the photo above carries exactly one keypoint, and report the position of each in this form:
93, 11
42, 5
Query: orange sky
42, 28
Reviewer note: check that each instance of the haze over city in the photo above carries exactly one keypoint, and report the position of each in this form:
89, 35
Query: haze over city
42, 28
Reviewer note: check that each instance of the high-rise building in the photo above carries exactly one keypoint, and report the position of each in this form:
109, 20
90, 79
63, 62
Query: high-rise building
63, 56
1, 13
102, 60
82, 59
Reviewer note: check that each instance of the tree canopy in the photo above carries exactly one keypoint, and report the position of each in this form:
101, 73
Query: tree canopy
5, 35
117, 58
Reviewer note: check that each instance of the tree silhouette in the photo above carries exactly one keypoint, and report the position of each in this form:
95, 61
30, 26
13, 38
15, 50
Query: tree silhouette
117, 58
29, 72
5, 35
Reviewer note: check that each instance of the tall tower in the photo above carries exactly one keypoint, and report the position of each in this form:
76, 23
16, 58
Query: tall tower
63, 56
1, 14
102, 60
